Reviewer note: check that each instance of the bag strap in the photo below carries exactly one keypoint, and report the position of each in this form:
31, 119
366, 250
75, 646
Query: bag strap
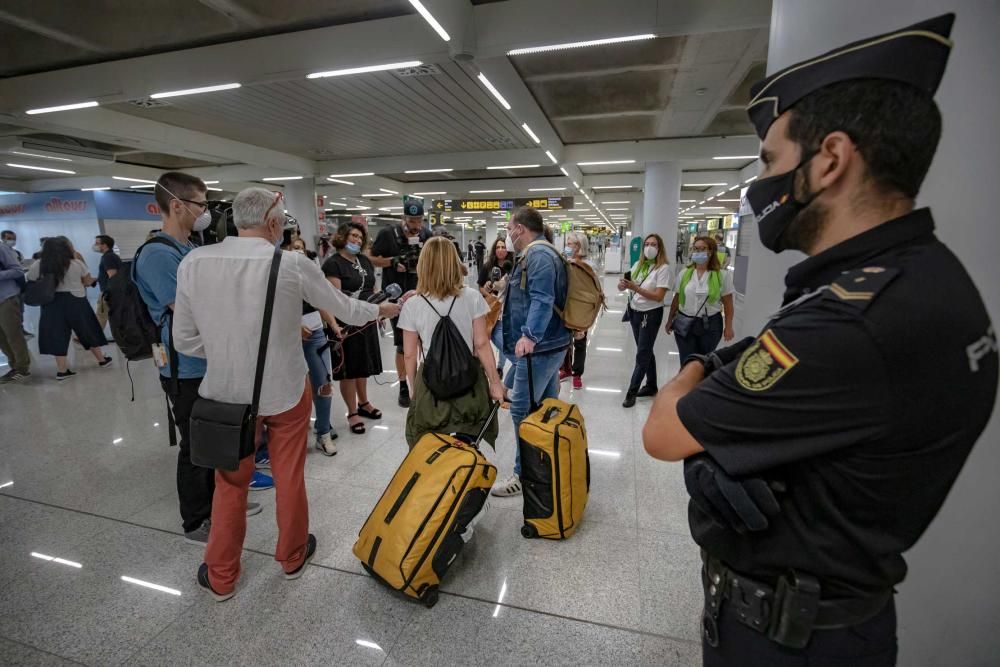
272, 285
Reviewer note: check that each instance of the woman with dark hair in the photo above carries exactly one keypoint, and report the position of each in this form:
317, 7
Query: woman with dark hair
704, 292
493, 292
69, 312
648, 285
358, 356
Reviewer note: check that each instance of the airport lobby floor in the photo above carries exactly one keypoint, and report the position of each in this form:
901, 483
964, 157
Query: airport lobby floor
88, 518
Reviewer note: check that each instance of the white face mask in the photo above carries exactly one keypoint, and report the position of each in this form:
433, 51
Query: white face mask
202, 222
650, 252
510, 242
10, 242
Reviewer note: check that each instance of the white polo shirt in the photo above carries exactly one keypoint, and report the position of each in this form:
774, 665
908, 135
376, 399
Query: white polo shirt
219, 311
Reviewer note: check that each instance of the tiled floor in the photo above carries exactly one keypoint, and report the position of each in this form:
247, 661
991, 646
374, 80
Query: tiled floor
88, 478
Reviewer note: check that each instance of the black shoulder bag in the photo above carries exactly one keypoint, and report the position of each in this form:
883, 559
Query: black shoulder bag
686, 325
223, 434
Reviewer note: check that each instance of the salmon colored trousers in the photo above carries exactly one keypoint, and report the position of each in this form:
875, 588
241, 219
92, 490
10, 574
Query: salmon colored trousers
287, 434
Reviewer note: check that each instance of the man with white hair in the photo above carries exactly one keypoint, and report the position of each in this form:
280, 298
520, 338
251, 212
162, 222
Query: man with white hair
221, 291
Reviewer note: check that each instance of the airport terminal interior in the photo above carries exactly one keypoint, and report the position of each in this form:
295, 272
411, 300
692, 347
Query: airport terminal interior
616, 120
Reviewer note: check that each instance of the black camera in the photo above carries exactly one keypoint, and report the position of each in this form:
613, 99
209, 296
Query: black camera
408, 257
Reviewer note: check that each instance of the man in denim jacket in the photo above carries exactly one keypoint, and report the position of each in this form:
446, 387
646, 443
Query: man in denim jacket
537, 285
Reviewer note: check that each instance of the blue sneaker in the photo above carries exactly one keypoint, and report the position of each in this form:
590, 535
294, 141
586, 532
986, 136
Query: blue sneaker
262, 461
261, 482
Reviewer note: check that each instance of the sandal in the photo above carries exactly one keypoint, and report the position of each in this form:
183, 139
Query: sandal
359, 427
374, 413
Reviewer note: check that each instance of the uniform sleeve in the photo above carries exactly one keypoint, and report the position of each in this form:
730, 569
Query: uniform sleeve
812, 384
318, 291
383, 246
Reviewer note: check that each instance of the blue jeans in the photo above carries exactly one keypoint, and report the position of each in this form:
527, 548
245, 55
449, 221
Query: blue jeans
497, 337
319, 375
545, 370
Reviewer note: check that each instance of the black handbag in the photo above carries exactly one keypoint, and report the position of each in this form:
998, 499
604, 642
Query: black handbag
223, 434
40, 292
686, 325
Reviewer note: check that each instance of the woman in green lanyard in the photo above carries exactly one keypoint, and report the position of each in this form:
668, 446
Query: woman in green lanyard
704, 293
648, 282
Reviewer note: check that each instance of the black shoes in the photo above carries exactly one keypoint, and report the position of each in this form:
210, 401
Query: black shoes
647, 390
629, 400
204, 583
310, 552
404, 395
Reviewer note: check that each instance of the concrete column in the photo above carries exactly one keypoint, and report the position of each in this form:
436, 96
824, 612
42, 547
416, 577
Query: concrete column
661, 193
942, 618
637, 212
300, 200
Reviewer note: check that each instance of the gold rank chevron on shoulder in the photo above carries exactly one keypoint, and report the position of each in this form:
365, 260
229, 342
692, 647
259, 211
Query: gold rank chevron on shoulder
859, 287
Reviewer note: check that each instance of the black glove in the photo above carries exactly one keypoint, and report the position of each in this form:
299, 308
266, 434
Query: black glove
743, 504
713, 361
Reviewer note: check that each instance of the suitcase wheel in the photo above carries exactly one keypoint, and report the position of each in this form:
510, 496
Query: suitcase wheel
431, 597
528, 531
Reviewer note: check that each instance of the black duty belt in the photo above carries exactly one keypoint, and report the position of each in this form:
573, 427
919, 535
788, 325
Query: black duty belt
786, 613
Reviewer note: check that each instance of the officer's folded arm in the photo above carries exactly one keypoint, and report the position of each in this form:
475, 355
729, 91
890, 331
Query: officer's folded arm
664, 436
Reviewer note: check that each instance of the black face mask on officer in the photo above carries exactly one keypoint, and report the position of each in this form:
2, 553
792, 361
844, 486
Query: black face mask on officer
775, 206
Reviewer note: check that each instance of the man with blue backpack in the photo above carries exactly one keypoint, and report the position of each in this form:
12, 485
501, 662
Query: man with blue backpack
183, 204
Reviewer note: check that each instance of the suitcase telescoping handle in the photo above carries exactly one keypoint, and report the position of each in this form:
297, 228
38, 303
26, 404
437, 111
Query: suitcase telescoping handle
494, 408
532, 403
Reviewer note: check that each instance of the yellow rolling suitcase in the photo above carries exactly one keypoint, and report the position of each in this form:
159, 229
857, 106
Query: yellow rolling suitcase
555, 467
415, 531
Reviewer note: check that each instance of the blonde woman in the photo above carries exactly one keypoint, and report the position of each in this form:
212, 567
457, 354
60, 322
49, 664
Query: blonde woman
577, 249
441, 292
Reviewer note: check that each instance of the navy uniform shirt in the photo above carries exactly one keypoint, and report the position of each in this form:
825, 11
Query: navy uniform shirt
863, 396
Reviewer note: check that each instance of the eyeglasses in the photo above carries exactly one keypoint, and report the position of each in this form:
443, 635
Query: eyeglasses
203, 204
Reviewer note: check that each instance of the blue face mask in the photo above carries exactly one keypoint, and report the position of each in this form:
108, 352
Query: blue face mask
568, 251
353, 248
699, 257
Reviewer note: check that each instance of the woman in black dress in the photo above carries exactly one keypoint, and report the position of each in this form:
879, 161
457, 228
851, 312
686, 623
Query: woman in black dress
358, 357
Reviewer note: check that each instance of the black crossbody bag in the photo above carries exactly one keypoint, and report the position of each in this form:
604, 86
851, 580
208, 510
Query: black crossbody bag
223, 434
686, 325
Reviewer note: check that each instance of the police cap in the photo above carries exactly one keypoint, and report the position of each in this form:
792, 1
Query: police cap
915, 55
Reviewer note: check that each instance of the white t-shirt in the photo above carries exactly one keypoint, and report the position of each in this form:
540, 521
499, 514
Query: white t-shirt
72, 282
696, 292
657, 277
418, 316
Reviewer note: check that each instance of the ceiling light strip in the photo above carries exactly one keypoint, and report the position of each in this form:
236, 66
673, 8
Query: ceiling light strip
603, 162
577, 45
427, 171
515, 166
195, 91
528, 131
44, 157
363, 70
32, 167
496, 93
442, 33
62, 107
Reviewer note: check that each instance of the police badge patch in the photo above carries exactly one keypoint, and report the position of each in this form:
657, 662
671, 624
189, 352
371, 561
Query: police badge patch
764, 362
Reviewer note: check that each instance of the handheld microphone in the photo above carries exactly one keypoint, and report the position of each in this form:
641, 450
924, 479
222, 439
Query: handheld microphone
392, 292
495, 274
508, 266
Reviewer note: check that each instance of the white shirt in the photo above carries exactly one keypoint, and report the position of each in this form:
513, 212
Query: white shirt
72, 282
418, 316
219, 310
696, 292
657, 277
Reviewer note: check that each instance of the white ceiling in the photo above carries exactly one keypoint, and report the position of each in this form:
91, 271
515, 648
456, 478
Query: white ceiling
678, 97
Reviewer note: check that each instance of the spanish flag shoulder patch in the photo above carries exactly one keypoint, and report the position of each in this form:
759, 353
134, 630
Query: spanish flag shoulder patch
764, 363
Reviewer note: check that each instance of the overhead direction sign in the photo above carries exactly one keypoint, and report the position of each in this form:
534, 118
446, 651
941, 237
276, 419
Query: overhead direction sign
474, 205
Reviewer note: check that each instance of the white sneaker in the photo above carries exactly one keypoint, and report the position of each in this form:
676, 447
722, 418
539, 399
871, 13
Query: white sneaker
325, 444
470, 528
510, 487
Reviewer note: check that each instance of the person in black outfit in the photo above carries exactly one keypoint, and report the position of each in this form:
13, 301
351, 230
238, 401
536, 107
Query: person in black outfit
480, 253
493, 292
357, 357
109, 267
819, 452
392, 253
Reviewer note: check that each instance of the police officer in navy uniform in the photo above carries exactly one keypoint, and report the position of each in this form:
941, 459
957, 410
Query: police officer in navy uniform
818, 452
